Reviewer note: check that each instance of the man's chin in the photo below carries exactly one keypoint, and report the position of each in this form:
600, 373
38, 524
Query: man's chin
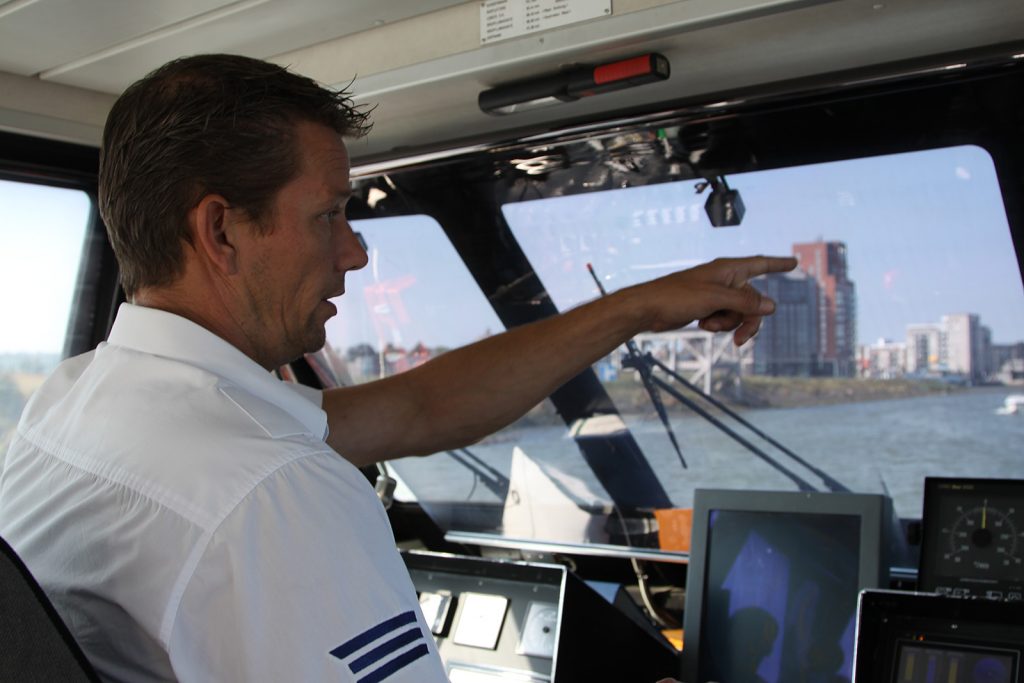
316, 339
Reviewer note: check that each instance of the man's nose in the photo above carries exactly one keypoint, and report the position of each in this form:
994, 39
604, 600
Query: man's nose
353, 254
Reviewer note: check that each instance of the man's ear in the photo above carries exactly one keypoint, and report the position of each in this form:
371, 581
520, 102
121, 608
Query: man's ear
214, 233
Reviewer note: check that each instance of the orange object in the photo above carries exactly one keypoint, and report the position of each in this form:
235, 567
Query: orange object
674, 636
674, 528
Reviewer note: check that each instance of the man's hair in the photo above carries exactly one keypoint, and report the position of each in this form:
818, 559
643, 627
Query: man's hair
209, 124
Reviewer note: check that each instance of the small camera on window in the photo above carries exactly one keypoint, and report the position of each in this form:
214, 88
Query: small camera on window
724, 208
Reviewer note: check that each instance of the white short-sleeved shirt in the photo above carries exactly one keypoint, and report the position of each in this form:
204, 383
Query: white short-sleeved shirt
181, 509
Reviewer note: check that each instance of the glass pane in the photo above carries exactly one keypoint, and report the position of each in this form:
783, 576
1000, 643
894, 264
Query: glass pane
894, 341
414, 301
42, 234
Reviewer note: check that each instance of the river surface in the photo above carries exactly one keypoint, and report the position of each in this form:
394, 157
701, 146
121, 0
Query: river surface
876, 447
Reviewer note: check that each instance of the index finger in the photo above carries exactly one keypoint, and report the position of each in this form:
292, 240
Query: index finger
753, 266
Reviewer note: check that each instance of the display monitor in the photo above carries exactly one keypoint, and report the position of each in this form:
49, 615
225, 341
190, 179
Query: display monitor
972, 542
772, 585
923, 638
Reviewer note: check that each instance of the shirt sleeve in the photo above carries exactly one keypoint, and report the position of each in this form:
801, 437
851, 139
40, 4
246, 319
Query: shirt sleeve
302, 582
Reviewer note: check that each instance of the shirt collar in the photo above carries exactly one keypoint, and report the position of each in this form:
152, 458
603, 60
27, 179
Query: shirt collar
165, 334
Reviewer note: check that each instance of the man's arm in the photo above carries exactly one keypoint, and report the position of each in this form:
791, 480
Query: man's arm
470, 392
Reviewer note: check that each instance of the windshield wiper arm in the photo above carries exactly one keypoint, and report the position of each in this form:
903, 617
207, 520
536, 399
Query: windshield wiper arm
829, 481
636, 360
800, 482
493, 479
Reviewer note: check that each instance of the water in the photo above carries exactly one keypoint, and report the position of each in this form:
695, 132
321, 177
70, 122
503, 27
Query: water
878, 446
874, 447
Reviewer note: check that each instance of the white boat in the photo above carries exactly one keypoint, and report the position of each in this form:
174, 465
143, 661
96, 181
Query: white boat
1013, 405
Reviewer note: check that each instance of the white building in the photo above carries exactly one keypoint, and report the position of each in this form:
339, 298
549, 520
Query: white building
883, 360
958, 345
964, 345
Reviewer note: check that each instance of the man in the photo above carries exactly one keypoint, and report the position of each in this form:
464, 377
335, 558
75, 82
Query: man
188, 514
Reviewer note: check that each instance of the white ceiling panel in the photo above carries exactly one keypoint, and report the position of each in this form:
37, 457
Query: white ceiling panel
414, 104
36, 35
258, 28
425, 75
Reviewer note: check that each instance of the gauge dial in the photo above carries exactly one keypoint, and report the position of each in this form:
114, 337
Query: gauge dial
984, 538
973, 538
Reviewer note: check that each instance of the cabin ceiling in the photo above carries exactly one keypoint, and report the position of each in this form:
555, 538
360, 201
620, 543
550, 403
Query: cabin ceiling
106, 44
422, 65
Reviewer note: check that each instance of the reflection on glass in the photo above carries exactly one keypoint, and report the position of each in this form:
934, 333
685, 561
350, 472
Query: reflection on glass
921, 664
781, 600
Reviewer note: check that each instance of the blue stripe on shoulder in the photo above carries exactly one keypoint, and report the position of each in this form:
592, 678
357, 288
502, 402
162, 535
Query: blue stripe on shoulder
372, 634
379, 653
395, 665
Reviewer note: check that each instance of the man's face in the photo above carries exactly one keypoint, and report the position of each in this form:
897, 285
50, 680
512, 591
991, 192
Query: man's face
290, 274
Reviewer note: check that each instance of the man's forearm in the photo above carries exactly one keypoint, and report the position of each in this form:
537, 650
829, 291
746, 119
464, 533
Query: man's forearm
470, 392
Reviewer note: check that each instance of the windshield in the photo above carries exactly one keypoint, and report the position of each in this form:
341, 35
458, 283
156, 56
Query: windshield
887, 354
888, 358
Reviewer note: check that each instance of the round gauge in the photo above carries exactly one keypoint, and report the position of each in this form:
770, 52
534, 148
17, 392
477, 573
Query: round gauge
983, 538
973, 538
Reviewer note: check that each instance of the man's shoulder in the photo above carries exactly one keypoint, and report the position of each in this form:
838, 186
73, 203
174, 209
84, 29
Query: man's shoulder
132, 390
172, 431
59, 382
263, 414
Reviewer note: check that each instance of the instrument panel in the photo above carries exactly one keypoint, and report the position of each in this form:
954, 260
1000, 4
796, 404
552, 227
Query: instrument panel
526, 622
973, 540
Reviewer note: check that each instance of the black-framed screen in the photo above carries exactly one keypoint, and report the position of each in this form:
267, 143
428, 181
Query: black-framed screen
773, 581
972, 538
905, 637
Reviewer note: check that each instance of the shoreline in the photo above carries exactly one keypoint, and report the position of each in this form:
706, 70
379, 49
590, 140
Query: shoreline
798, 392
762, 392
789, 392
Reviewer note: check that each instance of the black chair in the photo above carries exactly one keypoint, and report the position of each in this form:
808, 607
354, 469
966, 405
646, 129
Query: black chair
35, 644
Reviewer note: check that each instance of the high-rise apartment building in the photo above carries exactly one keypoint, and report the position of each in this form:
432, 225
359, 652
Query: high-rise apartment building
837, 305
788, 343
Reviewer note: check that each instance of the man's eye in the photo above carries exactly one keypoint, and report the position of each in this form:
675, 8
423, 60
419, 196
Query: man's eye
333, 215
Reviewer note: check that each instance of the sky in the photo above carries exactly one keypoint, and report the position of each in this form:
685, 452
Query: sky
42, 232
926, 236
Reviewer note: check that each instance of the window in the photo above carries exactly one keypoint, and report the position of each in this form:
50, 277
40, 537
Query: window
414, 301
41, 241
888, 358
